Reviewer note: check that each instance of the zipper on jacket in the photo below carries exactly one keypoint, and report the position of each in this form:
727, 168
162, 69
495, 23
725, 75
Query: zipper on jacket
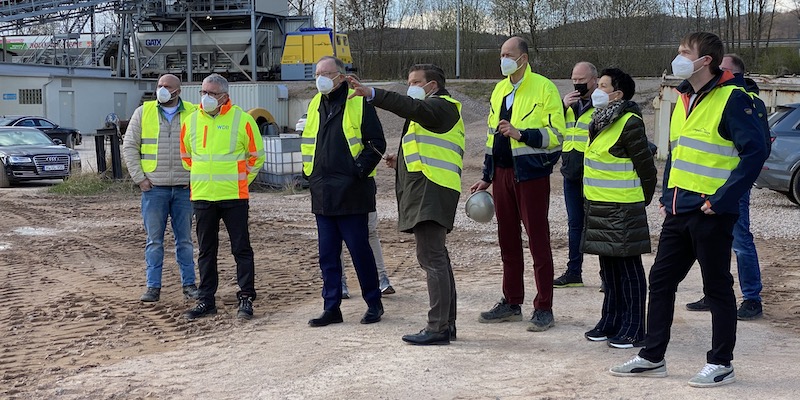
529, 113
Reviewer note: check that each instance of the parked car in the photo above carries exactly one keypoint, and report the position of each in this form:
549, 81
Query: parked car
301, 123
70, 137
781, 171
27, 154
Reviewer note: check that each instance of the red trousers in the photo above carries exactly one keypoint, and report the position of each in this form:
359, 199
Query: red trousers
528, 202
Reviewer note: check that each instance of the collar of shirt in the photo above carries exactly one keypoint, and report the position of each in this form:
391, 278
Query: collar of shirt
510, 97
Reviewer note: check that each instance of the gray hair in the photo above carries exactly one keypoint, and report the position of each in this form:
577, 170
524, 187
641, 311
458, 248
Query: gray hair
592, 68
339, 63
219, 80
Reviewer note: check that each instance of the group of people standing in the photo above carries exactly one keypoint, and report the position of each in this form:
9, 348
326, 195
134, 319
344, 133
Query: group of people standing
717, 147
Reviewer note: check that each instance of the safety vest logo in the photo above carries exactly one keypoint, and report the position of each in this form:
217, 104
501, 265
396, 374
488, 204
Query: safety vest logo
224, 127
704, 131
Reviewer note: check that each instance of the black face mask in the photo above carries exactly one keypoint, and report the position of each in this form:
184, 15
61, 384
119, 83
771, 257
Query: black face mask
582, 88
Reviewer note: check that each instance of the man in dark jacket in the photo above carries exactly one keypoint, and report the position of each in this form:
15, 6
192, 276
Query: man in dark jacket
339, 162
743, 245
716, 153
428, 185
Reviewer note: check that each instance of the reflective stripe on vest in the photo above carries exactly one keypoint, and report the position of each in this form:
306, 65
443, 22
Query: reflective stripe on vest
151, 128
351, 126
702, 160
577, 133
606, 177
439, 156
219, 170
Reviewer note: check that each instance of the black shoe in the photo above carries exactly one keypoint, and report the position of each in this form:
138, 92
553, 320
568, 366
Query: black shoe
502, 312
541, 321
245, 308
190, 292
388, 290
749, 310
699, 305
328, 317
202, 309
568, 280
596, 335
373, 314
428, 338
151, 295
452, 329
624, 342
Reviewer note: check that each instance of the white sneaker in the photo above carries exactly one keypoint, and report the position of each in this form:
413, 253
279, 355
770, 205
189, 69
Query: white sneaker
713, 375
638, 366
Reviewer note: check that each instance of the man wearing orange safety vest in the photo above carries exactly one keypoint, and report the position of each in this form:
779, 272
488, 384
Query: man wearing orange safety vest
222, 147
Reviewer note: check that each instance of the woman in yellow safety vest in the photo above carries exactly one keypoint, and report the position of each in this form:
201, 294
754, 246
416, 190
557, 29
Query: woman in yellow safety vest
619, 181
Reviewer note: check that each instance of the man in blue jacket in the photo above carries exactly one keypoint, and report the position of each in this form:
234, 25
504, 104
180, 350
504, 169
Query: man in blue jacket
717, 149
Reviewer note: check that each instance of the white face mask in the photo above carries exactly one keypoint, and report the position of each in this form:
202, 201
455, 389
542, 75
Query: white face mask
325, 84
417, 92
509, 66
599, 98
209, 103
683, 67
163, 95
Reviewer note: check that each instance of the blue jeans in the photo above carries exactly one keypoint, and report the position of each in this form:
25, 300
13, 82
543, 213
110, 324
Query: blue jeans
159, 203
746, 255
573, 198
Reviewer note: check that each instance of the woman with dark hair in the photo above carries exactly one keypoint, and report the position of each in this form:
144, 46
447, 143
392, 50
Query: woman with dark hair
619, 182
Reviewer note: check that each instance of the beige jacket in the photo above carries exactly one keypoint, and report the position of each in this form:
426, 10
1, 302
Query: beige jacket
169, 169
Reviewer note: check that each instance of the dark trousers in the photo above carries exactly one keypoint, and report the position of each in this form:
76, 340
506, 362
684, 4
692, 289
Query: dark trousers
573, 198
234, 213
353, 230
684, 239
435, 261
529, 202
624, 300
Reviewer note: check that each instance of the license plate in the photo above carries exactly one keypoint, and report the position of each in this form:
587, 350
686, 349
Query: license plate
53, 167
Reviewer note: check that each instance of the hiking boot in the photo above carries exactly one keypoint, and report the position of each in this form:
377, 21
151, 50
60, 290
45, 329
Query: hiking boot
624, 342
596, 335
568, 280
502, 312
638, 366
749, 310
699, 305
190, 292
152, 294
713, 375
202, 309
388, 290
541, 321
245, 308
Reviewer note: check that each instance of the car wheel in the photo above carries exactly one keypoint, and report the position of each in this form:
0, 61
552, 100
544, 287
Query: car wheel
794, 190
4, 182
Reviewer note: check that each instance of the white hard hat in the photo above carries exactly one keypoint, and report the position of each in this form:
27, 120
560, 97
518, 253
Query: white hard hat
480, 206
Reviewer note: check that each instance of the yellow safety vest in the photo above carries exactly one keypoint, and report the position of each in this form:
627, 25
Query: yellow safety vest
530, 112
151, 127
606, 177
439, 156
225, 153
351, 126
702, 160
576, 135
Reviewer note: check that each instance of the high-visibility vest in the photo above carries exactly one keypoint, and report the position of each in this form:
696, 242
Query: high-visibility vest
702, 160
606, 177
577, 133
151, 127
439, 156
226, 152
529, 112
351, 126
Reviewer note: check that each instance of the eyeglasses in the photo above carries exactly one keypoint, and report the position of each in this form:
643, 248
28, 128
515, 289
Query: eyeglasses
212, 94
328, 74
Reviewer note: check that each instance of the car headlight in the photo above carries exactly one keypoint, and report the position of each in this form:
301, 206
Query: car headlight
20, 160
75, 156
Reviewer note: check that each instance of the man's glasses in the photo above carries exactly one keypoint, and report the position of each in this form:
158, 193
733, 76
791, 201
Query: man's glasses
212, 94
328, 74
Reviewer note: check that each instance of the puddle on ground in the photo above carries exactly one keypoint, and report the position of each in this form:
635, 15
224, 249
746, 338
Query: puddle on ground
31, 231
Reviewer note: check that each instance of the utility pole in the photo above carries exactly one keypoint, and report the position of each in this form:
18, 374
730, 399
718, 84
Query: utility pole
458, 41
333, 39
